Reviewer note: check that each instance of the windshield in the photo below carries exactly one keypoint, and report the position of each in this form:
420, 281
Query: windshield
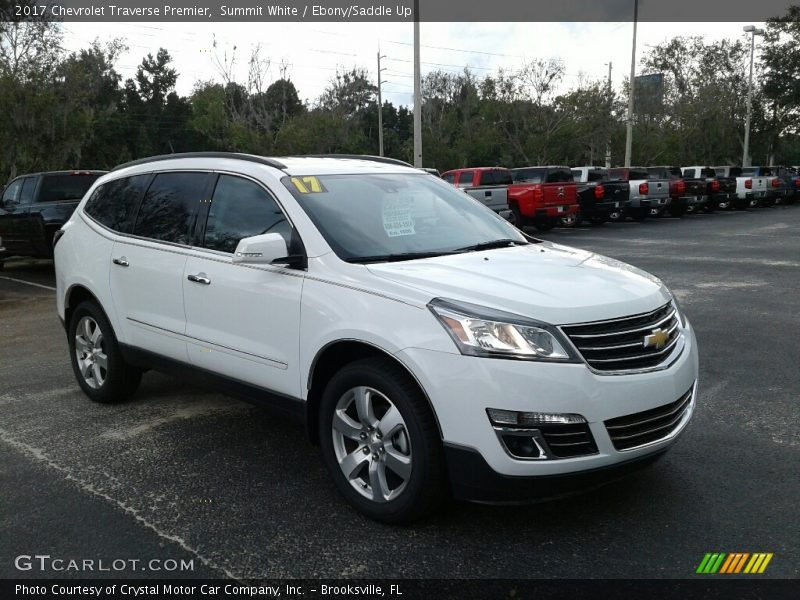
391, 217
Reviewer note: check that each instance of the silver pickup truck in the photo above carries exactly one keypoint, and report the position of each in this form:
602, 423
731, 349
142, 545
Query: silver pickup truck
486, 184
649, 196
750, 188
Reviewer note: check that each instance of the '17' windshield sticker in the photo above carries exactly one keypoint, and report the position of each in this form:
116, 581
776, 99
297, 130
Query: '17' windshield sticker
308, 185
397, 219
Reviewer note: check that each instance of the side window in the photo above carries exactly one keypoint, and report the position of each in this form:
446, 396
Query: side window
168, 207
688, 173
465, 179
449, 178
28, 187
113, 204
11, 194
241, 208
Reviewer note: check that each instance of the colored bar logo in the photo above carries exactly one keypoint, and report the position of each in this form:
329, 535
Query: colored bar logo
735, 562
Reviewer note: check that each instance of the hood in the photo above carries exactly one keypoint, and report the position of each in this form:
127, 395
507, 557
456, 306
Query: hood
548, 282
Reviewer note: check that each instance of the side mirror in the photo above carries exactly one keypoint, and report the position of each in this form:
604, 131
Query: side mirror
261, 249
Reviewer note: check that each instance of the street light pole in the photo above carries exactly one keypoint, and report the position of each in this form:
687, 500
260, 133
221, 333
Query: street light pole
380, 106
751, 29
417, 93
608, 141
629, 132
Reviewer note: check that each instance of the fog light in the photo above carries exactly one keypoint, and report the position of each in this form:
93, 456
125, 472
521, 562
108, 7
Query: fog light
522, 446
530, 419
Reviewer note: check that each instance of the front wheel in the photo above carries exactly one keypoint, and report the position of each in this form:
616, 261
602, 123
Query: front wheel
97, 362
380, 442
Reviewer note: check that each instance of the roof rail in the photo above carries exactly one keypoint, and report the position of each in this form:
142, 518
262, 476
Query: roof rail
378, 159
237, 155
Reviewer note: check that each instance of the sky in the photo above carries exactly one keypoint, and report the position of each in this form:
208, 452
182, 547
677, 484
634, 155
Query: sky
311, 53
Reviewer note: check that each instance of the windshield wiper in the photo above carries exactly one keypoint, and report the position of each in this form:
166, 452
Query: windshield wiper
398, 257
505, 243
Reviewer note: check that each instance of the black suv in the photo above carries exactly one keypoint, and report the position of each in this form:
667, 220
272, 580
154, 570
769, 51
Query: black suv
36, 205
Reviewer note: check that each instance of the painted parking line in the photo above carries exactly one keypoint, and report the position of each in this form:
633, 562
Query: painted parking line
39, 285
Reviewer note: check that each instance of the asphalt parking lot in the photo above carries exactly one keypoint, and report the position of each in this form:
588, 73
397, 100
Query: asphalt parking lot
180, 472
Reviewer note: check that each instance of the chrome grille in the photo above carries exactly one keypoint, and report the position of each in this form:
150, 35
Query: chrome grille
622, 344
568, 441
632, 431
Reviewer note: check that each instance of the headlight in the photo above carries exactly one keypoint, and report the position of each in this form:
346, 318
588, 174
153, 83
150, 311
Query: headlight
479, 331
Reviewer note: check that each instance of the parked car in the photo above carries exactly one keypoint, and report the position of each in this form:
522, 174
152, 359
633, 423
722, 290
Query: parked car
772, 183
738, 202
36, 205
787, 187
427, 345
648, 195
488, 185
598, 196
720, 190
541, 196
750, 189
686, 195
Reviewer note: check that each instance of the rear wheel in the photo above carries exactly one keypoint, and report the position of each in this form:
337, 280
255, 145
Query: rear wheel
676, 210
545, 224
598, 220
639, 214
616, 215
97, 362
569, 221
516, 218
380, 442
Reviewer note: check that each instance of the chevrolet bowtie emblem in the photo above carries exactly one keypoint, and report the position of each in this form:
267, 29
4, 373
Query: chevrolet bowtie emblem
658, 339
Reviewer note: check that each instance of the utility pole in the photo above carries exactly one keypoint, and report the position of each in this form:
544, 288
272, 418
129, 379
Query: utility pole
608, 141
417, 92
380, 106
751, 29
629, 133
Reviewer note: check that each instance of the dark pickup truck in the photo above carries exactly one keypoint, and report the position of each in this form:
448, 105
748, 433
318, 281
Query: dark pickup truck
686, 195
36, 205
598, 196
720, 190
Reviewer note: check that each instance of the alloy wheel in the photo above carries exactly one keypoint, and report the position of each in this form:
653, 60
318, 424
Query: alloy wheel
90, 352
372, 444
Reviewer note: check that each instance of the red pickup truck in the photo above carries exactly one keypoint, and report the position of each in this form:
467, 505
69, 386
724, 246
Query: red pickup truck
538, 196
541, 196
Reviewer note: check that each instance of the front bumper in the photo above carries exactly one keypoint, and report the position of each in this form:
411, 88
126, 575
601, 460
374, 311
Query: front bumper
461, 388
472, 479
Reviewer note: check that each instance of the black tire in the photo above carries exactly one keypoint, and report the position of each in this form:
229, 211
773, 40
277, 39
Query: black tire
517, 220
427, 485
545, 224
598, 220
570, 221
121, 380
709, 207
676, 210
617, 215
639, 214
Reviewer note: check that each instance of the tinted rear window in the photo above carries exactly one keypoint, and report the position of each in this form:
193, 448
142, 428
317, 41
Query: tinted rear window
675, 171
748, 172
62, 188
169, 206
634, 175
617, 175
559, 176
495, 177
598, 175
465, 179
529, 175
114, 203
709, 172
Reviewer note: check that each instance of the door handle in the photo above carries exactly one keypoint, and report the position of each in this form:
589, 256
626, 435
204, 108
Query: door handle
122, 262
199, 278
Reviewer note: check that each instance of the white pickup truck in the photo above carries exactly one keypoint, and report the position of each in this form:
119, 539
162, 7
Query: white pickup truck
750, 189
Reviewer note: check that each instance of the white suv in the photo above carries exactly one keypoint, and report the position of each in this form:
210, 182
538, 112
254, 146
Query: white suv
428, 345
